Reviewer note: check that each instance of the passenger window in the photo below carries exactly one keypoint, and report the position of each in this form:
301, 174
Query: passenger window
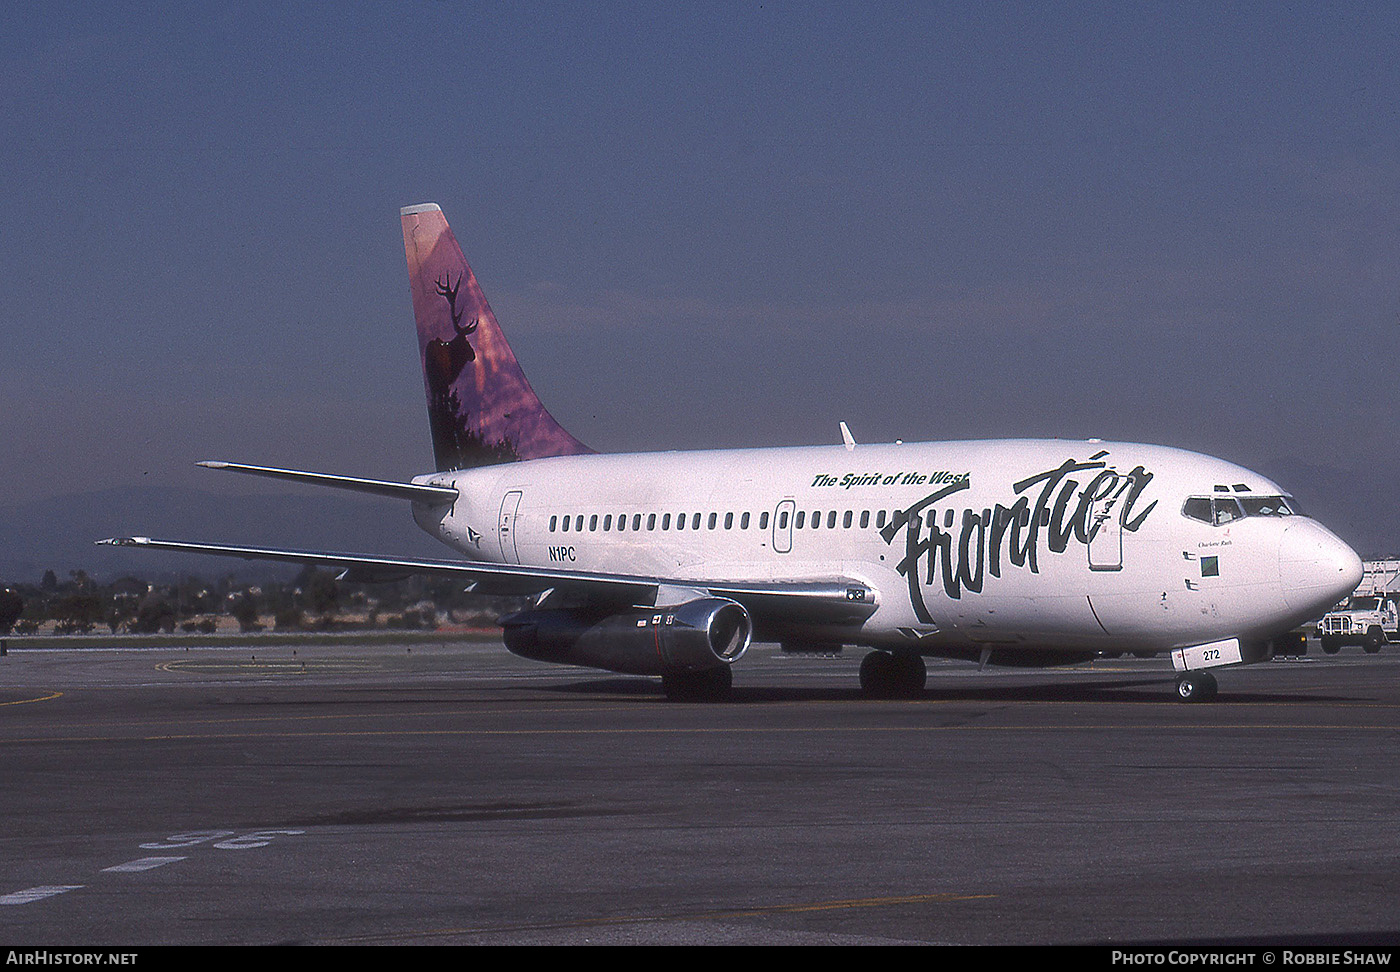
566, 524
782, 519
651, 521
711, 524
880, 520
695, 522
607, 522
801, 518
553, 522
578, 524
744, 522
636, 521
666, 522
864, 519
729, 521
846, 520
763, 520
831, 520
593, 523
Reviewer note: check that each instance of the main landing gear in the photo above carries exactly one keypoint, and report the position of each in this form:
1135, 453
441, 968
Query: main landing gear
1195, 686
887, 675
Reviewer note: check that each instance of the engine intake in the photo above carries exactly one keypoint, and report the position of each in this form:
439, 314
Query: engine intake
697, 636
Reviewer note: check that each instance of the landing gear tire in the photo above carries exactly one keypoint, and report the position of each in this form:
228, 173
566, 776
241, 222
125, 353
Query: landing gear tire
713, 685
1375, 637
1330, 646
1195, 687
885, 675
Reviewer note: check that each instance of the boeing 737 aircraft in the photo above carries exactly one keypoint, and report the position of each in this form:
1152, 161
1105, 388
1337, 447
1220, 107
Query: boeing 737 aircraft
1013, 552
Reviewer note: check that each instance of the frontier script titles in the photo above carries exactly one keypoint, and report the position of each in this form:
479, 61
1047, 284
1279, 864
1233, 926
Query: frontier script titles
1069, 503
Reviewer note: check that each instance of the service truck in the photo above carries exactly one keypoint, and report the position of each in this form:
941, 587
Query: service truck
1370, 617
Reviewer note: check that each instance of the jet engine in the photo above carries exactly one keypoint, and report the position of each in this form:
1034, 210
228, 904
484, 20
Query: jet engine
702, 635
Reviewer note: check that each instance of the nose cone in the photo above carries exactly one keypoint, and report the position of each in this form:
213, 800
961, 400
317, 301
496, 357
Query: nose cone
1315, 567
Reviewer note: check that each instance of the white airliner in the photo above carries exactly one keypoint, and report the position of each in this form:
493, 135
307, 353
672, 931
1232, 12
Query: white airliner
1019, 552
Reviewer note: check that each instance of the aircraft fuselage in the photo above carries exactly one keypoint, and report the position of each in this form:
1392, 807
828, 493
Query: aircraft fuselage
1034, 544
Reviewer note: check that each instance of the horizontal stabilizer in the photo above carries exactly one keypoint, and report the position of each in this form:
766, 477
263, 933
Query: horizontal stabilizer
417, 492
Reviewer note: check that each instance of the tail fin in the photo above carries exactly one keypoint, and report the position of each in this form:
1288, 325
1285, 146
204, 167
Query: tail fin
481, 408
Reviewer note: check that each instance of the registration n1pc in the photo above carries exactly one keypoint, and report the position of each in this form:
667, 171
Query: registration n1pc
1020, 552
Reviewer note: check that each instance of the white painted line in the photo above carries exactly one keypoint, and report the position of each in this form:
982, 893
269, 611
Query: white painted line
36, 894
140, 864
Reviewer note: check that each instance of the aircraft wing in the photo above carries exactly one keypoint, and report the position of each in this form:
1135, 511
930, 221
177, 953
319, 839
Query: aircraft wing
832, 601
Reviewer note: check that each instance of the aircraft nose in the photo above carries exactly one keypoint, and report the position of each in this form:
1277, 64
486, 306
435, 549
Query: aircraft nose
1316, 568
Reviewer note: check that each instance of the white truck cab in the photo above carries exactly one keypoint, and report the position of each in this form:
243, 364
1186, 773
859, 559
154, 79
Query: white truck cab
1369, 618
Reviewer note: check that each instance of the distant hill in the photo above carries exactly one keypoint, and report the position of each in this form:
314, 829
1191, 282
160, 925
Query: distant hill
58, 534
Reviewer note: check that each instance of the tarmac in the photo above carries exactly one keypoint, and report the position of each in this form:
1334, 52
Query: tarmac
343, 793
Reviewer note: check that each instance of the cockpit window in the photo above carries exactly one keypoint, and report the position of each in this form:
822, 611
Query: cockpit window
1218, 509
1198, 508
1265, 506
1226, 509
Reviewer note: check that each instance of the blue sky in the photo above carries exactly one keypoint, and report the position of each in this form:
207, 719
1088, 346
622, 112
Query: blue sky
725, 224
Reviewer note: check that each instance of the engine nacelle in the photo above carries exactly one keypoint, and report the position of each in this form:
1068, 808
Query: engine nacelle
699, 635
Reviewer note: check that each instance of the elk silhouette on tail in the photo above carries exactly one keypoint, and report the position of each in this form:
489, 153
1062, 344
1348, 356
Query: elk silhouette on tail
443, 364
446, 359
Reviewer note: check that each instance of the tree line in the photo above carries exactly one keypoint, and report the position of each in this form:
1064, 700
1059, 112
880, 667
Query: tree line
314, 600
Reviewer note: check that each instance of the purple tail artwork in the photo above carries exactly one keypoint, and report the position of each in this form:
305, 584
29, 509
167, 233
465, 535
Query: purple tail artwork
481, 408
